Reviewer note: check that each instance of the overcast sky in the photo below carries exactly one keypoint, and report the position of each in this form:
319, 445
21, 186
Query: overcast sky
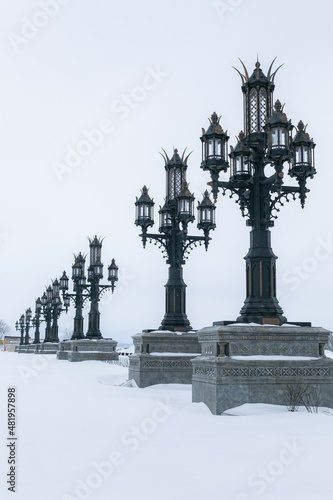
90, 91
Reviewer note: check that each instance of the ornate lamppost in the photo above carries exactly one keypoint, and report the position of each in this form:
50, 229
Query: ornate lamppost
36, 320
19, 326
51, 310
175, 215
23, 325
28, 315
92, 291
266, 141
79, 279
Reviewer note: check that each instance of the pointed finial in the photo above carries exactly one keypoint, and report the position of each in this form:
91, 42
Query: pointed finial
300, 125
214, 118
241, 135
277, 105
257, 70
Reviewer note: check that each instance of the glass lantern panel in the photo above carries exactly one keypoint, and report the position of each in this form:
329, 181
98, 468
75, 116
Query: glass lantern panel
178, 181
283, 137
253, 110
306, 156
262, 108
165, 220
218, 148
63, 283
78, 271
57, 300
210, 148
146, 211
238, 164
274, 137
184, 207
207, 215
298, 154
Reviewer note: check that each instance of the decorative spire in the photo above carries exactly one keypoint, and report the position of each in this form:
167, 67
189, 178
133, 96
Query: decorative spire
257, 74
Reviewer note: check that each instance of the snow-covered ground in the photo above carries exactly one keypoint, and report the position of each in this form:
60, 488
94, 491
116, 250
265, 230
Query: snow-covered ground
83, 434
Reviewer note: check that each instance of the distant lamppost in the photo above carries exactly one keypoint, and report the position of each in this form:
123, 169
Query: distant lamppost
23, 325
79, 279
28, 315
51, 310
19, 326
36, 320
266, 140
92, 291
175, 215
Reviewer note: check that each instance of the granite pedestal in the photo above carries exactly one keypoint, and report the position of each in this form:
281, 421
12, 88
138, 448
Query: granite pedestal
21, 348
42, 348
31, 348
256, 364
163, 357
46, 348
86, 349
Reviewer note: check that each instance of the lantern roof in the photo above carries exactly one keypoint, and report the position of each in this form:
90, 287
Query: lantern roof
175, 160
79, 259
240, 147
144, 198
206, 201
214, 127
96, 242
302, 135
258, 77
278, 115
185, 192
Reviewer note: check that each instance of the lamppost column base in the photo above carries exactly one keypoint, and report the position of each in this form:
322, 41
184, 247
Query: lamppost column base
175, 323
93, 335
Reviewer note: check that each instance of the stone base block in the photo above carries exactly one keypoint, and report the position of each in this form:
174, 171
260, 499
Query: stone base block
261, 364
43, 348
46, 348
86, 349
163, 357
31, 348
21, 348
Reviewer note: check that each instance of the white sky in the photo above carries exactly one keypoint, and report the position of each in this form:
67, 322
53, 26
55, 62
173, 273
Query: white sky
73, 73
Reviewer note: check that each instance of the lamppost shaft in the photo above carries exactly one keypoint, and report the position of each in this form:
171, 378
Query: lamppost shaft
37, 332
78, 332
48, 320
94, 314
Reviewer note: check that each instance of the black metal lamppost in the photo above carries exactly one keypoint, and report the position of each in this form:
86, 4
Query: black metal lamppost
92, 291
36, 321
175, 215
78, 277
266, 140
23, 325
51, 308
19, 326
